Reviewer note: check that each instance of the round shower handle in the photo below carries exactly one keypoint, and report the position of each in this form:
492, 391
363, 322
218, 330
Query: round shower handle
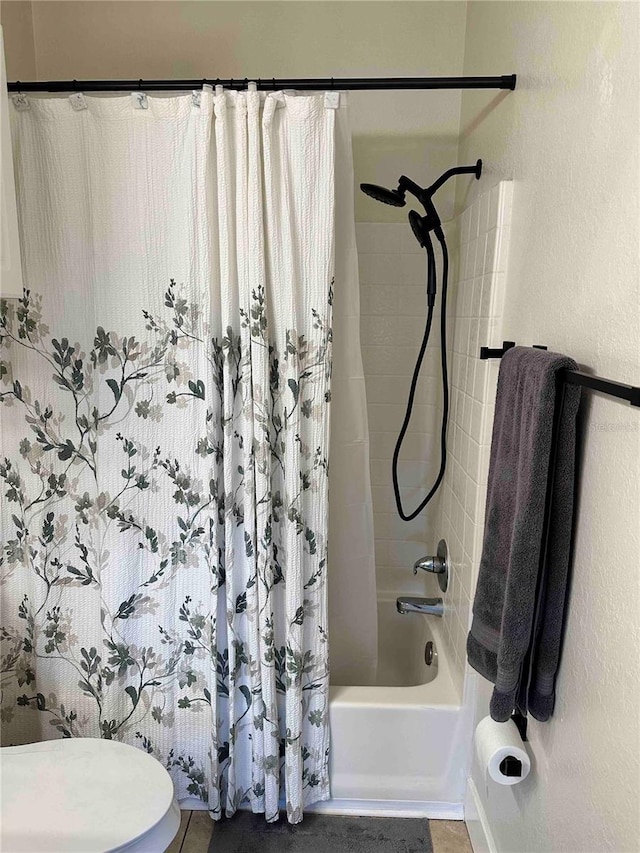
438, 565
430, 564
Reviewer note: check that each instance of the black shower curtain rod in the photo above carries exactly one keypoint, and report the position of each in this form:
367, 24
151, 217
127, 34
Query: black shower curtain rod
507, 81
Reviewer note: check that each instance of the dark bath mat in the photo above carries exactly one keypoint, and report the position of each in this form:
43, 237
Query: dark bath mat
319, 833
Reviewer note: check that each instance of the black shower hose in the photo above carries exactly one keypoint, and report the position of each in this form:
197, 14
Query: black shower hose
431, 292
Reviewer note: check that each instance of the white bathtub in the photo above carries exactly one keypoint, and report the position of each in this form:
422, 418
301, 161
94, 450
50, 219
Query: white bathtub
398, 747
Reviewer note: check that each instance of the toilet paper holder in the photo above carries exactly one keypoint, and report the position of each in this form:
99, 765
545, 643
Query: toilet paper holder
500, 753
521, 723
511, 766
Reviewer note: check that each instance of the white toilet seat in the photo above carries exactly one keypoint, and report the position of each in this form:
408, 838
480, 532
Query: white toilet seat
84, 795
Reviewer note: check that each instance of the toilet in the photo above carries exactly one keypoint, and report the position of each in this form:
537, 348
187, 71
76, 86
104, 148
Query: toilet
84, 795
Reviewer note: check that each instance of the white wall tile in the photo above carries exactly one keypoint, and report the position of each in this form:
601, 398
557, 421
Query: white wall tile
416, 445
388, 330
497, 296
393, 389
491, 253
380, 471
420, 473
494, 204
408, 243
502, 248
506, 200
379, 299
375, 237
413, 269
404, 553
412, 300
381, 360
484, 222
388, 417
473, 223
465, 220
380, 268
481, 250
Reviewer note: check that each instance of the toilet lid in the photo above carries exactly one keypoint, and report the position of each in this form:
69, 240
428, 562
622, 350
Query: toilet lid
79, 795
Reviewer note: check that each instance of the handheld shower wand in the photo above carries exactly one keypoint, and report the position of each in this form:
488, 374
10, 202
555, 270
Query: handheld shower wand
422, 227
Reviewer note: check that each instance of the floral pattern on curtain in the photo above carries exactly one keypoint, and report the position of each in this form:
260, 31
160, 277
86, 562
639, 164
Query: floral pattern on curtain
164, 508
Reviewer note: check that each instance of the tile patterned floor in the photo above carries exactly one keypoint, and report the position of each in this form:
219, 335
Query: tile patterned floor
449, 836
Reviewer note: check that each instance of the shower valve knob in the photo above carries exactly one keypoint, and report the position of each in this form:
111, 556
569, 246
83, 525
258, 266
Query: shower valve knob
437, 565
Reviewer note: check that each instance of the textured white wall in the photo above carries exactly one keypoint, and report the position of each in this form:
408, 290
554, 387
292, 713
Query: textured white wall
569, 138
17, 23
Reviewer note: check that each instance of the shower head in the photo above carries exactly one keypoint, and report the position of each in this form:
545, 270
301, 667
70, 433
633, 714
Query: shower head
393, 197
422, 226
419, 226
396, 198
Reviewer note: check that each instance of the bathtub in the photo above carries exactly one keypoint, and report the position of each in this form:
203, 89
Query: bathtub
399, 746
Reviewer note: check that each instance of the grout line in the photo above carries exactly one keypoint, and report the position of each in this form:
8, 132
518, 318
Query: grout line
186, 832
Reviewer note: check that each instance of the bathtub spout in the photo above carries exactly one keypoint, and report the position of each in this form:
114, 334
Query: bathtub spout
430, 606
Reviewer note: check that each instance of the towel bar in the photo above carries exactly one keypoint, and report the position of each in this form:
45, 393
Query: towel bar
631, 393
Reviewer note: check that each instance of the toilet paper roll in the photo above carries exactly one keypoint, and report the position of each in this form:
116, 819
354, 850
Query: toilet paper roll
496, 742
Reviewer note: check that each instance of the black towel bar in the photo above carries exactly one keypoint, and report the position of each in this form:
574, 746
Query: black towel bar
631, 393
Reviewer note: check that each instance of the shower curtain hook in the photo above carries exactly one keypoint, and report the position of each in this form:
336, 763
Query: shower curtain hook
139, 84
273, 83
332, 84
75, 85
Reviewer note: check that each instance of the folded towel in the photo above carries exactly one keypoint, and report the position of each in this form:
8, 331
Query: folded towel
513, 595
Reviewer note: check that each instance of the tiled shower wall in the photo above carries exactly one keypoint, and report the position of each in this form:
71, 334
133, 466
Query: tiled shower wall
477, 302
393, 311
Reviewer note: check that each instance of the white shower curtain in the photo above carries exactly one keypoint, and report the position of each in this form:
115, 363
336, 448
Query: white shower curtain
166, 387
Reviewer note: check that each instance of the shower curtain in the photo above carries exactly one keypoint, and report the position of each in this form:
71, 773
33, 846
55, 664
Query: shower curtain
165, 383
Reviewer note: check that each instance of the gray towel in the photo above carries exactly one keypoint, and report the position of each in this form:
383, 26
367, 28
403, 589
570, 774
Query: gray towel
518, 609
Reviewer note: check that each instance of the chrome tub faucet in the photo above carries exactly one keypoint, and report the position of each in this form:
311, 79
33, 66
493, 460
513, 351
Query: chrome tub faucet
428, 606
